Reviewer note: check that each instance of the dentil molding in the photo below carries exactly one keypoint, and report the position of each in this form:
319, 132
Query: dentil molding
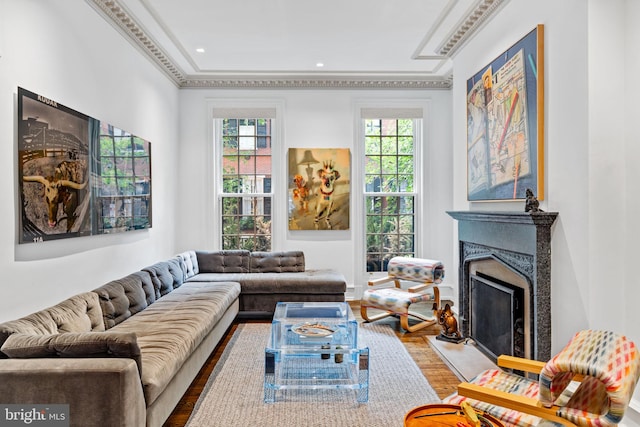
126, 24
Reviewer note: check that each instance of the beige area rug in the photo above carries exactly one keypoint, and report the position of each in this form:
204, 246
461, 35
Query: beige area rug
234, 393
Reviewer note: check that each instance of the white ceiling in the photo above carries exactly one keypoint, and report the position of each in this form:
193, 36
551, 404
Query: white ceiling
278, 43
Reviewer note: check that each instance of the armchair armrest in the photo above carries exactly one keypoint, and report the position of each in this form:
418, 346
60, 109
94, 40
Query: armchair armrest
99, 391
521, 364
511, 401
526, 365
421, 287
381, 280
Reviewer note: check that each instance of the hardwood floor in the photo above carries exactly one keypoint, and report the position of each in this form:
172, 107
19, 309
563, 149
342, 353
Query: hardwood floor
441, 378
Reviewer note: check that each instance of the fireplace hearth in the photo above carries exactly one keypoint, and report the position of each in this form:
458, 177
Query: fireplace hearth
512, 249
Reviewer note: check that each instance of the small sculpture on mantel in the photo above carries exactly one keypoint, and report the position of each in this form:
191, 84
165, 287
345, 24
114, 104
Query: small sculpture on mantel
531, 203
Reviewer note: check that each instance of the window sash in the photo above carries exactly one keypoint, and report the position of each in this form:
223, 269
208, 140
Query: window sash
392, 232
245, 179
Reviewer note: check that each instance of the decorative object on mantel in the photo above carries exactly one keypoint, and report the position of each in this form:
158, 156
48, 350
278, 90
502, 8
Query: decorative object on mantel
505, 123
531, 203
449, 324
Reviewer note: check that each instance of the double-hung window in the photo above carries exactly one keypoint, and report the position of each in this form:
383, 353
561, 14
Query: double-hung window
389, 190
244, 178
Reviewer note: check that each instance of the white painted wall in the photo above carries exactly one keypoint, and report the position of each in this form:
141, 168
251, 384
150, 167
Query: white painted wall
64, 50
591, 65
314, 119
627, 298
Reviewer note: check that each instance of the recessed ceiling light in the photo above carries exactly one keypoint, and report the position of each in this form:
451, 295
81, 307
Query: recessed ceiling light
320, 64
200, 50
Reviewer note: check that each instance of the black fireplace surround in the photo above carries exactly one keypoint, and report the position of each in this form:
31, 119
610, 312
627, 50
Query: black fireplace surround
522, 243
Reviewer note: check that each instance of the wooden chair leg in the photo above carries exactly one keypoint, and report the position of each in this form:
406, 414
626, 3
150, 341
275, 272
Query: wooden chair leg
426, 321
367, 318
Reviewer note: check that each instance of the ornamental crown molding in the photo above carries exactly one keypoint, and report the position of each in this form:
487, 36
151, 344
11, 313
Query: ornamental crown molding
121, 19
467, 26
314, 83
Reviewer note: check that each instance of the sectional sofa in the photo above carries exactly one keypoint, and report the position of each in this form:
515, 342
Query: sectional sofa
124, 353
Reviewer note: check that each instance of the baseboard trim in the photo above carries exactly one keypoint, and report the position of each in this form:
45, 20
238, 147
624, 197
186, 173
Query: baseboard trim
632, 416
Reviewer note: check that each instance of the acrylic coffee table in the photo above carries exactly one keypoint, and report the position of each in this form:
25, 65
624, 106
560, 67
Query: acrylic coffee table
314, 345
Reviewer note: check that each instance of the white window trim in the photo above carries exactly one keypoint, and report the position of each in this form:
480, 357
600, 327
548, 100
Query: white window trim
361, 276
235, 108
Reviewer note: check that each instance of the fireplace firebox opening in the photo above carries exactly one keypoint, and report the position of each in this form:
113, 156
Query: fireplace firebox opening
502, 303
497, 317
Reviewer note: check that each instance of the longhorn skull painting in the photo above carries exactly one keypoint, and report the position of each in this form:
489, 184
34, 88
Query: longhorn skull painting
53, 147
319, 189
78, 176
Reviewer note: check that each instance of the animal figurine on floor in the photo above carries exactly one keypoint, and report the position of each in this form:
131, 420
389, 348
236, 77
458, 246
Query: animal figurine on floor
301, 192
324, 206
449, 324
531, 203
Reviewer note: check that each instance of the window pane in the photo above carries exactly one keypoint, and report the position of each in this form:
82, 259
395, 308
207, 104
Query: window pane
372, 145
106, 145
230, 185
374, 224
230, 206
405, 145
389, 127
123, 146
230, 164
405, 205
405, 127
389, 164
372, 165
405, 164
142, 166
124, 166
389, 183
230, 145
372, 127
405, 183
390, 145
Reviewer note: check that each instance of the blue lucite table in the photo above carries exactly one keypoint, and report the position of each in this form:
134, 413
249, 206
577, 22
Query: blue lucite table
314, 345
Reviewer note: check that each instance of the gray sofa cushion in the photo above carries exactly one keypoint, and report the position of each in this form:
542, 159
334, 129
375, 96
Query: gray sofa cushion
189, 263
277, 262
84, 344
170, 329
80, 313
307, 282
165, 276
233, 261
122, 298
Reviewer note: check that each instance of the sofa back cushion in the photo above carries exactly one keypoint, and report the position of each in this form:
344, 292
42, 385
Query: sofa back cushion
277, 262
232, 261
80, 313
83, 344
165, 276
189, 263
122, 298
